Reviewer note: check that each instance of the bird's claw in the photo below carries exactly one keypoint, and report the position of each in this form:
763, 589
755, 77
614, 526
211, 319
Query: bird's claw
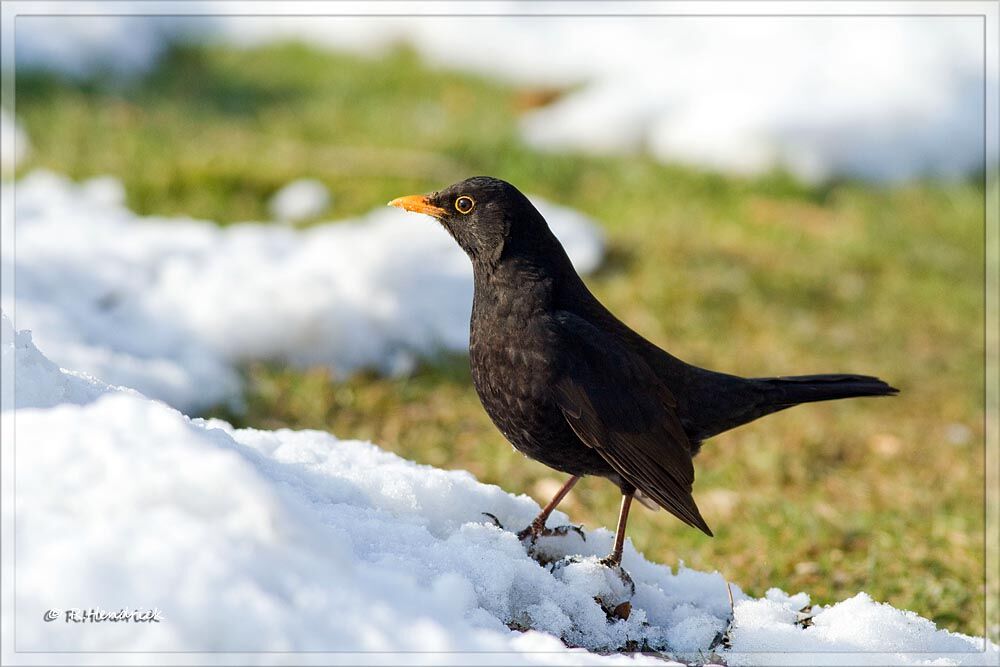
617, 607
557, 565
531, 534
615, 565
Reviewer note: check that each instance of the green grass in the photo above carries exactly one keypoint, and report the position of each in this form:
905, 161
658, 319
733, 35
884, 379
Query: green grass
752, 276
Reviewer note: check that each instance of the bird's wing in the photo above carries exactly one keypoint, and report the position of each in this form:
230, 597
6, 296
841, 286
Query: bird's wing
615, 404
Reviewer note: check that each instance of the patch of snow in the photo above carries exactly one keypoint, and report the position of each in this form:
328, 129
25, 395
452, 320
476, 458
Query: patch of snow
857, 631
873, 97
248, 540
173, 306
299, 200
82, 46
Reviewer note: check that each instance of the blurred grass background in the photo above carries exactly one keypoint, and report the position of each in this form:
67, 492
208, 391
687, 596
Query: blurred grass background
756, 276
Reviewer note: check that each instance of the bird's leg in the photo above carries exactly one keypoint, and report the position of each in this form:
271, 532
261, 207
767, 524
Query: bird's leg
537, 527
614, 559
617, 604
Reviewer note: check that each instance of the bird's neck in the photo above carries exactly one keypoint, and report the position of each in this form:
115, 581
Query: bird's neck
516, 276
525, 283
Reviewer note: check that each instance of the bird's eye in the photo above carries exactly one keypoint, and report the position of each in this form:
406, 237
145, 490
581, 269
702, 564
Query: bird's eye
464, 204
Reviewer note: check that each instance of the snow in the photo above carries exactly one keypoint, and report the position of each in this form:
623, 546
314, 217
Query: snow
857, 631
82, 46
299, 200
248, 540
882, 98
876, 98
108, 292
47, 384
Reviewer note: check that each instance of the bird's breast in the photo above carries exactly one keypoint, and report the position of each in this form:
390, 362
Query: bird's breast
512, 371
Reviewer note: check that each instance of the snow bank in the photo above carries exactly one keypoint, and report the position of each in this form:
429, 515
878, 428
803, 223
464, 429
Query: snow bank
247, 540
310, 544
871, 97
171, 307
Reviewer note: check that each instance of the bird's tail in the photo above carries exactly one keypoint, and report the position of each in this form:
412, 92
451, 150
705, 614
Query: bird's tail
784, 392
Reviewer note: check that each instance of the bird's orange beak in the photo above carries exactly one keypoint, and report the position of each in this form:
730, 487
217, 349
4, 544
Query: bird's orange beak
418, 204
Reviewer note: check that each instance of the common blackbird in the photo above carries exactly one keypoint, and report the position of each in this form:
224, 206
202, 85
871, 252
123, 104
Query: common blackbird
571, 386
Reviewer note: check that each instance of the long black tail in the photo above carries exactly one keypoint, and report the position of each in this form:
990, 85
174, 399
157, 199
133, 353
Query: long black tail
784, 392
733, 401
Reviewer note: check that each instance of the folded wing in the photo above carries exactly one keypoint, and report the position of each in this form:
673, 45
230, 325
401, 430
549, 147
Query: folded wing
615, 404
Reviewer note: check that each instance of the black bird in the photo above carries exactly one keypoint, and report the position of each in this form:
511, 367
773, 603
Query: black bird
571, 386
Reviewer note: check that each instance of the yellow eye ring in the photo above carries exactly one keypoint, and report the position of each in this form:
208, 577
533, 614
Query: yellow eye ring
465, 204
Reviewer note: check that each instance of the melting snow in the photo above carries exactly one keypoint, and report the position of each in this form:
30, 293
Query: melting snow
171, 307
865, 96
248, 540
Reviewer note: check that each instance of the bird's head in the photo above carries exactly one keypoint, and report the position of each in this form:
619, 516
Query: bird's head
484, 215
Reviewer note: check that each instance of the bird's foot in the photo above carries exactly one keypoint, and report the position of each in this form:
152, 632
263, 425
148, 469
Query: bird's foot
616, 600
533, 532
565, 561
546, 552
529, 538
615, 565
